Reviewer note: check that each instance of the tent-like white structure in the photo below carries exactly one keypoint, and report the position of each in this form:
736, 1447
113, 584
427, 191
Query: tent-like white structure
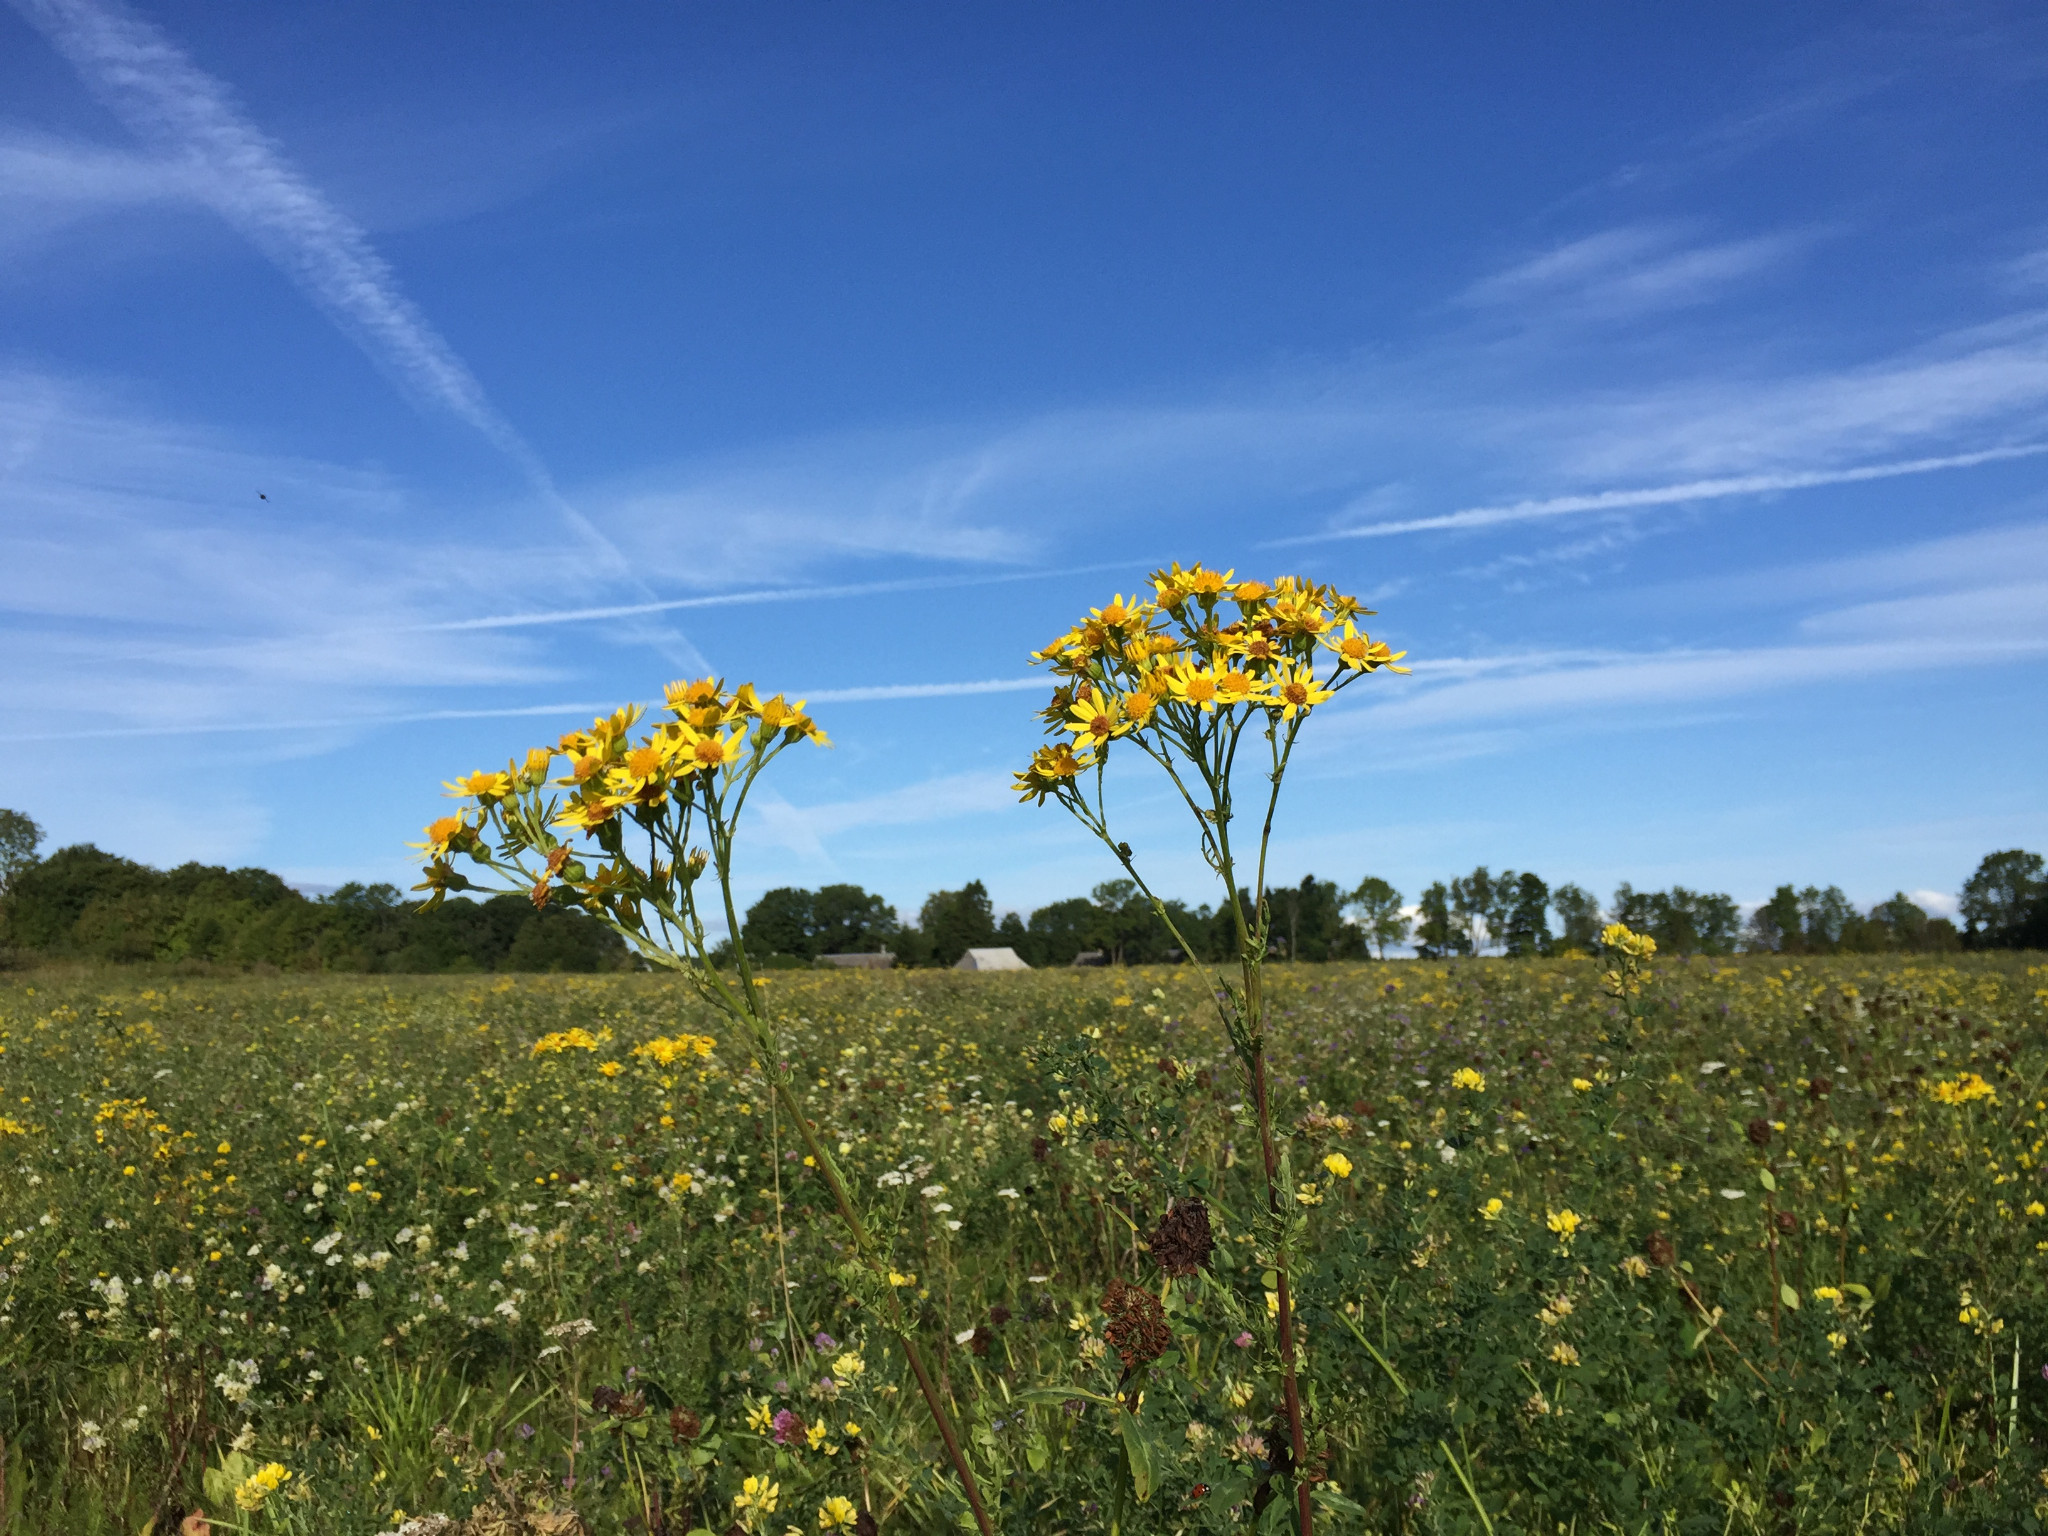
1004, 959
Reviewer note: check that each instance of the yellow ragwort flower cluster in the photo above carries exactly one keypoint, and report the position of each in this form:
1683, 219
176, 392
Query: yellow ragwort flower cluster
667, 1050
1175, 663
712, 738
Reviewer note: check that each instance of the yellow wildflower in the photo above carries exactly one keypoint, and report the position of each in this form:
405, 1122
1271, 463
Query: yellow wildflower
1468, 1078
837, 1514
260, 1485
1338, 1164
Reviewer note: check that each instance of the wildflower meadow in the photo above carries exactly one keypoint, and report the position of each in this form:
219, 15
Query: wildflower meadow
1610, 1241
545, 1250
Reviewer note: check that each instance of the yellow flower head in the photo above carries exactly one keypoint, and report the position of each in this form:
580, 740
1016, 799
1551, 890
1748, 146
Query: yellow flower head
1362, 653
449, 833
565, 1040
1338, 1164
1492, 1209
1965, 1089
1582, 1085
1564, 1354
1297, 692
848, 1367
667, 1050
757, 1495
1469, 1079
1620, 936
485, 787
1194, 686
837, 1514
1051, 767
1097, 721
760, 1418
1564, 1223
260, 1485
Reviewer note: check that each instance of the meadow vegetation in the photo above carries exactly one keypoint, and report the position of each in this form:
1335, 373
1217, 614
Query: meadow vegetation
502, 1249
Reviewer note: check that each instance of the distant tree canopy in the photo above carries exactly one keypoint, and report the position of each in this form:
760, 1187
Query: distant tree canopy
83, 903
834, 920
86, 904
2005, 903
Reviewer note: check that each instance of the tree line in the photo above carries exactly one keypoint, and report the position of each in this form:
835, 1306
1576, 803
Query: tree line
83, 903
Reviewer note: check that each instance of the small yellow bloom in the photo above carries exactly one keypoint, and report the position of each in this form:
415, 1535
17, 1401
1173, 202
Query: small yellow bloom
1564, 1354
760, 1419
1492, 1209
852, 1430
837, 1513
1272, 1303
1564, 1223
1308, 1194
1338, 1164
260, 1485
2036, 1208
816, 1435
1582, 1085
757, 1495
899, 1279
1467, 1078
610, 1068
848, 1367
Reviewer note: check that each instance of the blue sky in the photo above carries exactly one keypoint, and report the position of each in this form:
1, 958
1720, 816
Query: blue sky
384, 388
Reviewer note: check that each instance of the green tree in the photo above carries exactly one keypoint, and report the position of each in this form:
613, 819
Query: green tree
2003, 901
19, 839
1525, 925
1060, 930
1376, 907
954, 922
1438, 929
1578, 918
1309, 918
1775, 927
1475, 901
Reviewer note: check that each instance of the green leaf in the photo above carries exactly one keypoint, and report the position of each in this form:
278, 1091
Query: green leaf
1789, 1296
1138, 1452
1037, 1453
1765, 1178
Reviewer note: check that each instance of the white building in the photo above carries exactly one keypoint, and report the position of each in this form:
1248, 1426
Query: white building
1004, 959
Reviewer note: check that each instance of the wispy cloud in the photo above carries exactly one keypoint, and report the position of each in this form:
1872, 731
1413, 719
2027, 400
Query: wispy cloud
210, 147
1629, 270
1664, 495
760, 595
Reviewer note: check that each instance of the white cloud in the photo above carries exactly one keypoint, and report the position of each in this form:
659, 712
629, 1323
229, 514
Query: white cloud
1630, 270
1665, 495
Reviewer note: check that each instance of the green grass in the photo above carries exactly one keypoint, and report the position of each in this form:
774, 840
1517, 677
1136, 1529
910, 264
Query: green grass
409, 1198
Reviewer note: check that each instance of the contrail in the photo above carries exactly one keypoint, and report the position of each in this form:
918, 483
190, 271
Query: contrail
1664, 495
147, 81
754, 595
874, 694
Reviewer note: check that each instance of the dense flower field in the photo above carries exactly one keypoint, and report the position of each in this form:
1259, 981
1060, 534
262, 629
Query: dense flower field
333, 1255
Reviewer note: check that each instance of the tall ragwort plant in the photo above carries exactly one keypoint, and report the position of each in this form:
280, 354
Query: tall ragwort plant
640, 825
1211, 667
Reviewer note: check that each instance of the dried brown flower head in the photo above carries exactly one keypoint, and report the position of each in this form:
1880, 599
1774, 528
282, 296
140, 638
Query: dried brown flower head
1183, 1242
683, 1424
1137, 1328
1759, 1132
1819, 1088
1662, 1251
